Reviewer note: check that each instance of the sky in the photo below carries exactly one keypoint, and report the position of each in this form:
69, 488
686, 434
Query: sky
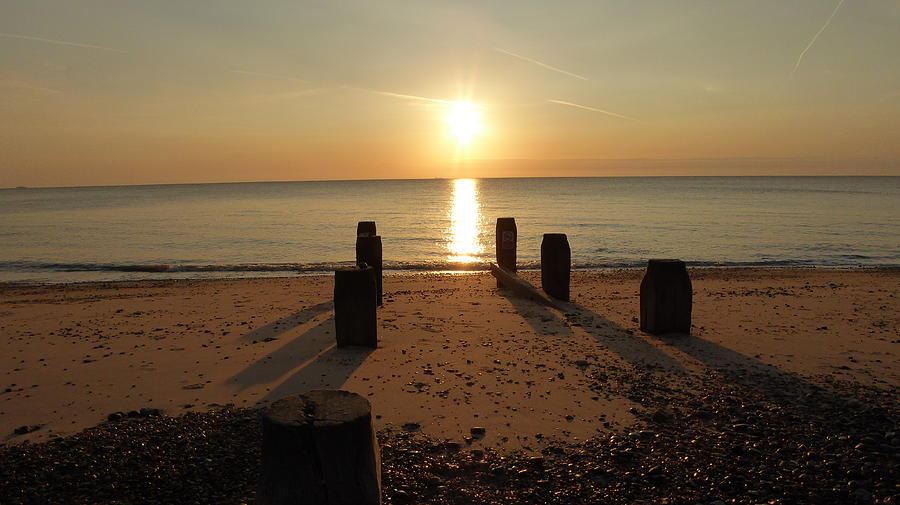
134, 92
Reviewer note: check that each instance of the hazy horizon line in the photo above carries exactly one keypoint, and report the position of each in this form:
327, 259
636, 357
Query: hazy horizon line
524, 168
386, 179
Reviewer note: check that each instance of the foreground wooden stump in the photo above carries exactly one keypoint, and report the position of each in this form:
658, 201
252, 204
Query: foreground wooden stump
355, 298
666, 297
368, 252
556, 265
506, 244
319, 448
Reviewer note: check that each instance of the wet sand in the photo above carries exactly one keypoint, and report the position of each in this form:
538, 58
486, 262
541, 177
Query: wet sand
454, 352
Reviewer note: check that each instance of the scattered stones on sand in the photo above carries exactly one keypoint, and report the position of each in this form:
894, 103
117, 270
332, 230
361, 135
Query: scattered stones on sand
766, 440
24, 430
411, 427
762, 423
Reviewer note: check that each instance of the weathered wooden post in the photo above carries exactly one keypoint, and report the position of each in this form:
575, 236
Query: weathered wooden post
506, 244
355, 298
556, 265
368, 252
666, 297
365, 229
319, 448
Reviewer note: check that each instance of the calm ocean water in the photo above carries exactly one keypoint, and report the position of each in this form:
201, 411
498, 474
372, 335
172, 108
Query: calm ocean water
280, 228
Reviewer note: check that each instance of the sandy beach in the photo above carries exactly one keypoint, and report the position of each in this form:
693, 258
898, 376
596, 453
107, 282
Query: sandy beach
148, 392
454, 352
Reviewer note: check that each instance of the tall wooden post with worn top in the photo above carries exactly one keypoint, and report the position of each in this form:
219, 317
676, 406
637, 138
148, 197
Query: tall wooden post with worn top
556, 265
506, 244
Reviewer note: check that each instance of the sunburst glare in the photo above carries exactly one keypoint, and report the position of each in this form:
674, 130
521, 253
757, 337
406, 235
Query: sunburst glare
464, 120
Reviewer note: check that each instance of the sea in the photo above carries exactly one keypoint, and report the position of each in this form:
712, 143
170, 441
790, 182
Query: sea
263, 229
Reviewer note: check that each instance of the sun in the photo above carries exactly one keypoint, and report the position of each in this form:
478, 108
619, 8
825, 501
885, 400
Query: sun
464, 120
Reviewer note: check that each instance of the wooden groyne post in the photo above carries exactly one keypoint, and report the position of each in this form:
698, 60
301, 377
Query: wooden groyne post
319, 448
365, 229
666, 297
368, 252
355, 299
556, 265
506, 244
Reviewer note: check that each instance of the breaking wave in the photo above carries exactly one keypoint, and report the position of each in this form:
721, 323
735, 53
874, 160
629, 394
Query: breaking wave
400, 266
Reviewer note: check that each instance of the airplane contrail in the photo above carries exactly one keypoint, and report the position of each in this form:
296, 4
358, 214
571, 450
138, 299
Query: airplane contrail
816, 36
263, 74
539, 63
10, 84
401, 95
290, 95
59, 42
594, 109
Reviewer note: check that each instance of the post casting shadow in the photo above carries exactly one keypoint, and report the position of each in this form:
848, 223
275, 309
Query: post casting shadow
276, 328
629, 346
287, 357
746, 386
841, 410
783, 387
541, 319
329, 370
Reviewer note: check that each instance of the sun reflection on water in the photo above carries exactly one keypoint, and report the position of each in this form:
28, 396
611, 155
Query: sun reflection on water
463, 244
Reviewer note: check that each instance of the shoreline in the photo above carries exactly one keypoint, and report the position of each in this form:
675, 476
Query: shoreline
216, 275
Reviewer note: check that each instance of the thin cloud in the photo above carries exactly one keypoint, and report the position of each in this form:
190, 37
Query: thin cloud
401, 95
263, 74
816, 36
540, 63
594, 109
291, 95
11, 84
59, 42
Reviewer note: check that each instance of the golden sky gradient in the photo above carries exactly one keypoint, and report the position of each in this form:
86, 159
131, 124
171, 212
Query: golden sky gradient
132, 92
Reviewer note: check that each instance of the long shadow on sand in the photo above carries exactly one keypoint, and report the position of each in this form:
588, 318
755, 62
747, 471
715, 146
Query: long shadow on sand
312, 360
732, 392
329, 370
541, 319
276, 328
778, 385
276, 364
630, 347
788, 389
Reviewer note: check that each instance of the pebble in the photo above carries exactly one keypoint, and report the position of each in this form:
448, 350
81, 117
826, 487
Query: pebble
663, 416
863, 495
